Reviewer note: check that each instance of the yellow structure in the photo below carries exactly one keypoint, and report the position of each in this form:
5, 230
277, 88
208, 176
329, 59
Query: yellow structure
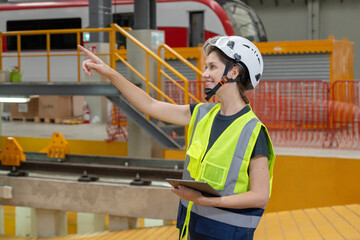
12, 153
58, 147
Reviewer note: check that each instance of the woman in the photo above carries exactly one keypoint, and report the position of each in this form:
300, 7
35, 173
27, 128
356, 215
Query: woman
228, 146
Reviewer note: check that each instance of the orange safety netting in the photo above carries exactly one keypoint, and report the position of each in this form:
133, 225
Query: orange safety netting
297, 113
116, 127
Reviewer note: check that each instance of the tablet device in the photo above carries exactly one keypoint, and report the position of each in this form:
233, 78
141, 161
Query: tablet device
203, 187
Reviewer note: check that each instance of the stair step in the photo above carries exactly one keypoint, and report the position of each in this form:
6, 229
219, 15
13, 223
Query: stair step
179, 130
180, 140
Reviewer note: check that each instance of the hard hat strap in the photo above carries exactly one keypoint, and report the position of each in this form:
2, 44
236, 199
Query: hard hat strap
224, 79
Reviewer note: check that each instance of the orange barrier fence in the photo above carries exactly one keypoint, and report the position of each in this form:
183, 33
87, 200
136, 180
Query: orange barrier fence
310, 113
116, 128
344, 110
301, 113
295, 112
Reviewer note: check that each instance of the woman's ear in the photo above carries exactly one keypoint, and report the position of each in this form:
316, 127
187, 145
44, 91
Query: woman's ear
235, 71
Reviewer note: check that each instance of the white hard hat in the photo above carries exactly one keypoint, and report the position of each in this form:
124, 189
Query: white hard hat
243, 51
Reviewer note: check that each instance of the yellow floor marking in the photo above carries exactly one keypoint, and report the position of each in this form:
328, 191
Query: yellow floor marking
307, 229
326, 230
343, 227
289, 228
273, 228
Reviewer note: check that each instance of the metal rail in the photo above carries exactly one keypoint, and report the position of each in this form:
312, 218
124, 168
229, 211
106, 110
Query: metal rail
101, 166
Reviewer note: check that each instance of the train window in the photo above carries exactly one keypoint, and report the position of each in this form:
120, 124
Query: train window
245, 21
38, 42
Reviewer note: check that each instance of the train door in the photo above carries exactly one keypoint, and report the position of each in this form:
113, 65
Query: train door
196, 28
123, 20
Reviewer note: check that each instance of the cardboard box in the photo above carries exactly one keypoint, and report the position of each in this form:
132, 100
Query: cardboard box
25, 110
78, 106
61, 107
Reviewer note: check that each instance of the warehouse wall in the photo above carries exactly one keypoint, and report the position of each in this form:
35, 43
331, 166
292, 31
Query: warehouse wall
294, 20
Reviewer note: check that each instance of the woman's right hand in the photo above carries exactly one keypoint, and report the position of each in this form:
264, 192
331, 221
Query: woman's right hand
94, 63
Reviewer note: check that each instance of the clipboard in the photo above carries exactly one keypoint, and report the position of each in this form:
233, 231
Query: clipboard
203, 187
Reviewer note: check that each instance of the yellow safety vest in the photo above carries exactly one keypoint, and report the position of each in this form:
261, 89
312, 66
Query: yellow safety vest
225, 165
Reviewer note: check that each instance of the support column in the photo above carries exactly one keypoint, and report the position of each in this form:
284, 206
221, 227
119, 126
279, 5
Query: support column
25, 222
90, 222
145, 14
117, 223
314, 19
99, 17
2, 79
50, 223
140, 144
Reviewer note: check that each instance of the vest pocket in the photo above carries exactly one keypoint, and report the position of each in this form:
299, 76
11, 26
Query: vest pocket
195, 153
214, 175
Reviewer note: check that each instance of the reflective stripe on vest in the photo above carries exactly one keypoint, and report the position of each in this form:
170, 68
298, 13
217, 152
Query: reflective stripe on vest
225, 165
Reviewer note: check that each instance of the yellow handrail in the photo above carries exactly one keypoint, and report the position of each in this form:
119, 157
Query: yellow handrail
156, 57
47, 33
112, 40
142, 77
177, 84
182, 59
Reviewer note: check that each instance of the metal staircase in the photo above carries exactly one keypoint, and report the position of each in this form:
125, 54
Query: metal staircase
93, 89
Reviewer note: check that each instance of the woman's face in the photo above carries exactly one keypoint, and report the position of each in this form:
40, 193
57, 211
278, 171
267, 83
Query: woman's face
214, 70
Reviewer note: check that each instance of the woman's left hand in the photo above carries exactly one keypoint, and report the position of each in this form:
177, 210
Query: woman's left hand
188, 194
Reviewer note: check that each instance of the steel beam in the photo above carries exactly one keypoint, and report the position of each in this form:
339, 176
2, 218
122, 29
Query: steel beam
88, 89
96, 170
119, 161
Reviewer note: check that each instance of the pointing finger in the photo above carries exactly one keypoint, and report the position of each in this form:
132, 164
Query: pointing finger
89, 54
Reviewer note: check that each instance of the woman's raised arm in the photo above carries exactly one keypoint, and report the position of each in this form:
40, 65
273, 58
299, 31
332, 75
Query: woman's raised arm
176, 114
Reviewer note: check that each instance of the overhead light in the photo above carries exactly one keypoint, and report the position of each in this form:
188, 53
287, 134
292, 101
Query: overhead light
14, 99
